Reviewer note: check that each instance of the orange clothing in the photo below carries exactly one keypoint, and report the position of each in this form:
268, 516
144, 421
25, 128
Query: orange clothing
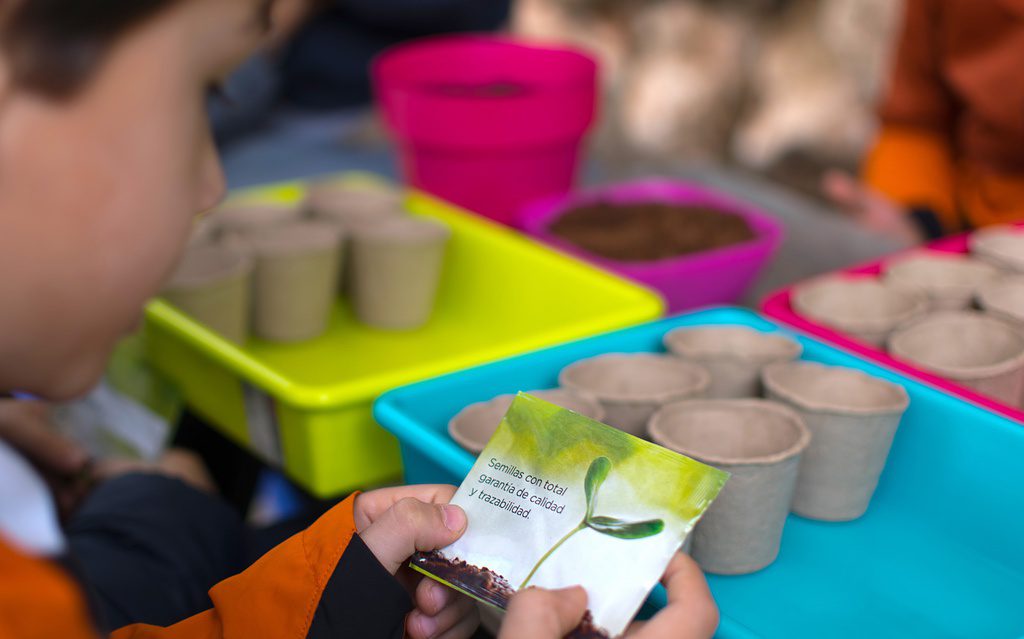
38, 601
277, 596
952, 136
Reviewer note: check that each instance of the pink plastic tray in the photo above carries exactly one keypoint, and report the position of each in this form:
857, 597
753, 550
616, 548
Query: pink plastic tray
778, 305
720, 276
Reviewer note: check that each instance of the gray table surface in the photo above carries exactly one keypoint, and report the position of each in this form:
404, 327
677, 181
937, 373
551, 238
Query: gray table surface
295, 145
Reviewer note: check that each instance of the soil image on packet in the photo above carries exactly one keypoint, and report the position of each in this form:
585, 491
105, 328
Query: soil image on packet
557, 499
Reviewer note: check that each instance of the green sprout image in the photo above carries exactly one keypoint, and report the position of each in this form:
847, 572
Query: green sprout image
596, 475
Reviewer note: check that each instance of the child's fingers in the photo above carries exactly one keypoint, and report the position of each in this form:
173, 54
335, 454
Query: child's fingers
465, 629
544, 614
691, 612
371, 505
409, 526
457, 612
26, 427
432, 597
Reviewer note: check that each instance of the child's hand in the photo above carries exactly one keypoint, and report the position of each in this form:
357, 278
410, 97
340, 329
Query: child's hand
871, 210
691, 612
536, 613
67, 467
394, 523
550, 614
64, 465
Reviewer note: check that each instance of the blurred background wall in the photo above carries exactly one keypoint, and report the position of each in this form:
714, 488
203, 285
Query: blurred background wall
780, 87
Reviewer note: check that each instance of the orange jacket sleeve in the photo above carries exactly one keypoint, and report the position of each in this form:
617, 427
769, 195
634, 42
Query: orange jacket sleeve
323, 582
912, 159
280, 591
38, 600
285, 591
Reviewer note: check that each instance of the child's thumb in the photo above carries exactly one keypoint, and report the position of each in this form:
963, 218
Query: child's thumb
544, 614
410, 526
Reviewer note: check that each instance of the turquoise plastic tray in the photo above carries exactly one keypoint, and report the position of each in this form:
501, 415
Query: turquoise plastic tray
940, 552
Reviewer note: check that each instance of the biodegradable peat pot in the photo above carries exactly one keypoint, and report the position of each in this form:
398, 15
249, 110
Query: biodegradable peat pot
244, 218
733, 355
1004, 299
863, 307
350, 207
296, 279
631, 387
349, 204
212, 284
972, 349
204, 231
852, 418
950, 280
473, 427
760, 444
396, 271
1000, 246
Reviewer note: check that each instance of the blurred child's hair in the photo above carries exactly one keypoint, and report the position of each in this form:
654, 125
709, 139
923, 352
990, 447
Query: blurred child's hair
53, 46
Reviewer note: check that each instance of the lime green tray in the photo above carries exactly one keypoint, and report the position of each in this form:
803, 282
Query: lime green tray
306, 407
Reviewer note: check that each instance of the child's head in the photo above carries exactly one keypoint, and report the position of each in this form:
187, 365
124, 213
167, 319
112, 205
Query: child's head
105, 160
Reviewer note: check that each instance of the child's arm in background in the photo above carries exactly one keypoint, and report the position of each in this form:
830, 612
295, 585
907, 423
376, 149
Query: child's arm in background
909, 178
912, 160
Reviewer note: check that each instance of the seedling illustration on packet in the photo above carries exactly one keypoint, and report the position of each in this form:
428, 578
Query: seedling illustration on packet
557, 499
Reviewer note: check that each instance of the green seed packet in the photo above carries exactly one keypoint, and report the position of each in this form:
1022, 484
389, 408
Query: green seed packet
557, 499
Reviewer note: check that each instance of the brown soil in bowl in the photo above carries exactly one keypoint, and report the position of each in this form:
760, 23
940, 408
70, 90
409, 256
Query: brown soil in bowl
491, 587
491, 89
487, 90
648, 231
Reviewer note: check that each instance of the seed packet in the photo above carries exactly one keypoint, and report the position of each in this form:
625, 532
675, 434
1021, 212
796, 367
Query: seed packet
557, 499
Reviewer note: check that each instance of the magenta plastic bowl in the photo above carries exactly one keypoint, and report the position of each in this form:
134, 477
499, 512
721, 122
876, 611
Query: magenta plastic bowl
779, 306
487, 122
720, 276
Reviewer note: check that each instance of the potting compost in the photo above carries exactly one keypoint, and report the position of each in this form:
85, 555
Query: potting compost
643, 232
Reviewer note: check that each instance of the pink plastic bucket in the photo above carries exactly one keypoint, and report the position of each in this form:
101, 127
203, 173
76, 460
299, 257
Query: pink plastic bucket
719, 276
778, 305
486, 122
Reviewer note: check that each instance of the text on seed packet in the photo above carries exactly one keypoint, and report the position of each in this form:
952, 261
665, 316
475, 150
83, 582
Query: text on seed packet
517, 498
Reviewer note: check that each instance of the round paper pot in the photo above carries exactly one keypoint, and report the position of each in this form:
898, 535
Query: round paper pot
473, 427
1001, 246
950, 280
978, 351
733, 355
347, 204
863, 307
1004, 299
204, 231
760, 444
351, 206
396, 271
296, 279
245, 217
631, 387
852, 418
212, 284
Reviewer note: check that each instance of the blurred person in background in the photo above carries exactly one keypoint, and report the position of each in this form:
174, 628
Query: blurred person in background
950, 152
320, 55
